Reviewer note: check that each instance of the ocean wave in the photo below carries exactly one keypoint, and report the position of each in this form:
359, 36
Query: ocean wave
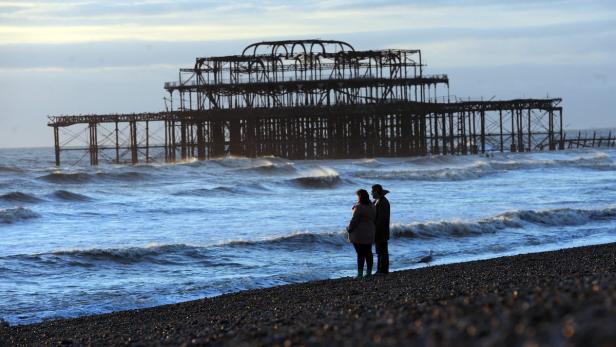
486, 166
70, 196
317, 181
597, 161
368, 162
10, 169
563, 216
214, 254
178, 253
474, 171
271, 168
13, 215
207, 191
170, 254
61, 177
512, 219
121, 176
250, 188
150, 253
296, 240
234, 162
84, 177
317, 177
20, 197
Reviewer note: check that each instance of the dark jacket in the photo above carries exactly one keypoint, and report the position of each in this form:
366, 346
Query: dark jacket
361, 227
382, 219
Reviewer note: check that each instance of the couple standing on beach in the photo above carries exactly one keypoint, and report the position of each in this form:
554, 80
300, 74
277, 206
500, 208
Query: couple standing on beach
370, 224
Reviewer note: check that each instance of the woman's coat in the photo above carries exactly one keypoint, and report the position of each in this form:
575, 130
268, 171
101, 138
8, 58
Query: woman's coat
361, 228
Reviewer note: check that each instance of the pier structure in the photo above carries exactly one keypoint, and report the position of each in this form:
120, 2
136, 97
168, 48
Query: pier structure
312, 99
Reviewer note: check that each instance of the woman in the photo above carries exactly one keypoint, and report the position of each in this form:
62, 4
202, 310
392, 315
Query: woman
361, 231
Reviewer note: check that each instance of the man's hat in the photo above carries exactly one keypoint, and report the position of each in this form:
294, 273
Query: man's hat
379, 189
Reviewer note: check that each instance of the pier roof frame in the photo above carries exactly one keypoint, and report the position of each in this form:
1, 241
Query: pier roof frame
307, 85
285, 44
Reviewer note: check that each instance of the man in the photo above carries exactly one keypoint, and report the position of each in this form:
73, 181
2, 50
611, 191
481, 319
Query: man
382, 228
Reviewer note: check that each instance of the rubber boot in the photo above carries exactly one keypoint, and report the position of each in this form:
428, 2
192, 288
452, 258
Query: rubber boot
368, 272
360, 273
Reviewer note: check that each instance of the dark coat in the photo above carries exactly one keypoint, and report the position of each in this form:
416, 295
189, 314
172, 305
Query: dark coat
361, 227
382, 219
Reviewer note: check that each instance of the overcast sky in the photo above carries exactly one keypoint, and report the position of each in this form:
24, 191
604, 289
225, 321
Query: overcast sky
77, 57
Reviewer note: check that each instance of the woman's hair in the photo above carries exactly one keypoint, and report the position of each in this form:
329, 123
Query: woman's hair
364, 198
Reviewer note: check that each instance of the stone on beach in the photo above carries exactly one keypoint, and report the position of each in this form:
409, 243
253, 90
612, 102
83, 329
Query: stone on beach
562, 297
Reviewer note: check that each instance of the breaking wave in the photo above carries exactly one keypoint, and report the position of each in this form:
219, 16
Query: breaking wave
474, 171
238, 162
70, 196
484, 167
596, 161
150, 253
20, 197
215, 254
512, 220
271, 168
297, 240
13, 215
317, 177
369, 162
178, 253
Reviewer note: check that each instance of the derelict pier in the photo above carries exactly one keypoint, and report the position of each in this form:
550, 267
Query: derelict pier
312, 99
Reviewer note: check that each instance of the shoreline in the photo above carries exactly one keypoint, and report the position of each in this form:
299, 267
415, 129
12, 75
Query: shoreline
556, 297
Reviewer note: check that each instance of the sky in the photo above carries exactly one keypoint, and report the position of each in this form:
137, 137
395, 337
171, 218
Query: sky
81, 56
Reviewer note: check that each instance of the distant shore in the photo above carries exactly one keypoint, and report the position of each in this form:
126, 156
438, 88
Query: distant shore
556, 298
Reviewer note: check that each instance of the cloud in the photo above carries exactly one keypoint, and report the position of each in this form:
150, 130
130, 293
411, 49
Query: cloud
61, 69
580, 43
87, 21
85, 56
570, 47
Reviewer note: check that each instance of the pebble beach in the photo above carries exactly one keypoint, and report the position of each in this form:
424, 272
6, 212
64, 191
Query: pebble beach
564, 297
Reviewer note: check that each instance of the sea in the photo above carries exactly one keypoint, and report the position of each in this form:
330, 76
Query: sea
79, 240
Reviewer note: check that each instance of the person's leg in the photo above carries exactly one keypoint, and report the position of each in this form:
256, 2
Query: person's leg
385, 255
360, 259
369, 259
379, 251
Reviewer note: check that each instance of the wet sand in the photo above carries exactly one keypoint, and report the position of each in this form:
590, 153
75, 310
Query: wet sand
565, 297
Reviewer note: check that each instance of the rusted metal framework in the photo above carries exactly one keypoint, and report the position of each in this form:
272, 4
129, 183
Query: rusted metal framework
311, 99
